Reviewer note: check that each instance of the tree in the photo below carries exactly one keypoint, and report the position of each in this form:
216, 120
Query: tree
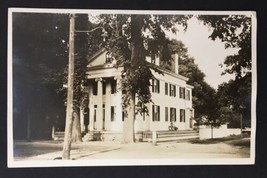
203, 95
235, 32
132, 38
236, 95
38, 55
78, 59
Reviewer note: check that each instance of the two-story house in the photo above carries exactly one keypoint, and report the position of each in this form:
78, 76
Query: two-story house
171, 96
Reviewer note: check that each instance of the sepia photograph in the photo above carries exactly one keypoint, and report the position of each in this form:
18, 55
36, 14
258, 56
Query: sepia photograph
130, 88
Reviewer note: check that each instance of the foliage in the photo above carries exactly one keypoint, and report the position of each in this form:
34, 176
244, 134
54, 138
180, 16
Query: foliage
39, 57
235, 32
86, 44
236, 94
131, 39
203, 95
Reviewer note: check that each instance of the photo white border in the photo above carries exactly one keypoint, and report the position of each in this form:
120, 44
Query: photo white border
129, 162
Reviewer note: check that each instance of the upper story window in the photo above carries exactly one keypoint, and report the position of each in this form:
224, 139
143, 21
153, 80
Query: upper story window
109, 57
182, 92
166, 88
187, 95
155, 86
172, 90
153, 60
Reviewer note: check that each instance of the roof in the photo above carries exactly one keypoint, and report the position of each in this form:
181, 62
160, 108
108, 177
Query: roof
102, 50
99, 52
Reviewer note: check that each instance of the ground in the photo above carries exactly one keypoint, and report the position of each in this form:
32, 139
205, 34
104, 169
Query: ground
237, 147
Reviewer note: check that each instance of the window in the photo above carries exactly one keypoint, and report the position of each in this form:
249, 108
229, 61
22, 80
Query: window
108, 57
166, 114
153, 60
182, 92
94, 88
103, 112
172, 90
104, 88
182, 115
113, 86
95, 107
166, 88
103, 126
112, 113
155, 113
155, 86
173, 114
187, 95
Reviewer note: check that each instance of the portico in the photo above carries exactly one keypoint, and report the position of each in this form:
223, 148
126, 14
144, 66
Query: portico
171, 95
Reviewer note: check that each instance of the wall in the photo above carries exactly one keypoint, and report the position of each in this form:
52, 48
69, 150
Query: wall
205, 132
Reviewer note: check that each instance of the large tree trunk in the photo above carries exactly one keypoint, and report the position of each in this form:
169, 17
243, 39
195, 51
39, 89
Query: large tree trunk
76, 128
137, 54
128, 125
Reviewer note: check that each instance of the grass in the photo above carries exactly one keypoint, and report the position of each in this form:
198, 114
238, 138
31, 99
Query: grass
235, 140
242, 143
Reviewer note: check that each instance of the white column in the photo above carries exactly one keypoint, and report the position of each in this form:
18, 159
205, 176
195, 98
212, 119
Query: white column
118, 105
91, 109
82, 119
99, 117
108, 105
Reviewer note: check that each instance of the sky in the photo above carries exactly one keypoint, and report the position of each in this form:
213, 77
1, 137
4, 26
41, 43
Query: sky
208, 54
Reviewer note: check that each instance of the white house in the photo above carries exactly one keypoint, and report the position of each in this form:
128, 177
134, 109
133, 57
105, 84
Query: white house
171, 96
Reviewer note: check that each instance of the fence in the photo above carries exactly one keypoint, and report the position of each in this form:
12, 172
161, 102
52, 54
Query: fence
206, 132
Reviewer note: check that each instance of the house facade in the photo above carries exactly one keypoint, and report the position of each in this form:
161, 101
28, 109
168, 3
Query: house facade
171, 96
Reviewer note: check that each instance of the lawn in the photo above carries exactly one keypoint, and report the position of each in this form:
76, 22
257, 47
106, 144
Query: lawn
235, 140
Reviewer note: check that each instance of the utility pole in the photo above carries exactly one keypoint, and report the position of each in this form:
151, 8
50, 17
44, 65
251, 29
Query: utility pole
69, 114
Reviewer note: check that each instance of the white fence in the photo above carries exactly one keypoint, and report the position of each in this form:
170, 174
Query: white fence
206, 132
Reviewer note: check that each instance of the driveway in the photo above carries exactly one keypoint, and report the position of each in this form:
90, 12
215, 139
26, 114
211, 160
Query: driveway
49, 150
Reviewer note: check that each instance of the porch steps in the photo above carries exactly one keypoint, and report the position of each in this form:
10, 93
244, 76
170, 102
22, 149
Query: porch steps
168, 136
92, 136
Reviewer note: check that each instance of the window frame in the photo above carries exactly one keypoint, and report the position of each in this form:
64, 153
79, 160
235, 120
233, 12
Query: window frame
173, 115
182, 92
172, 90
182, 115
155, 86
112, 113
155, 115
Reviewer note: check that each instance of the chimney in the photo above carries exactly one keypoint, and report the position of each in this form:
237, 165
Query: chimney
175, 63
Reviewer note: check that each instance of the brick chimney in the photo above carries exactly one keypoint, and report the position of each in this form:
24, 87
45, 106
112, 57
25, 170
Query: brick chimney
175, 63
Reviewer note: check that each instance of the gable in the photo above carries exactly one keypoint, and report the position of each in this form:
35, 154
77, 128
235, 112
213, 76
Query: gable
98, 59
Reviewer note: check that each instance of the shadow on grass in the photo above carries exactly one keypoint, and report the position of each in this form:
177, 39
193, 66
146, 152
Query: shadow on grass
235, 140
242, 143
